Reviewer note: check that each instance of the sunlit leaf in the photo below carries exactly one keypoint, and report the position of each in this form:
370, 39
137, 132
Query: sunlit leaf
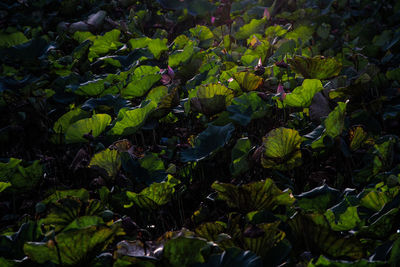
73, 247
181, 56
130, 120
253, 196
255, 26
144, 77
103, 44
334, 123
184, 251
315, 68
12, 39
109, 160
62, 124
211, 99
248, 81
302, 95
20, 177
93, 126
282, 149
318, 199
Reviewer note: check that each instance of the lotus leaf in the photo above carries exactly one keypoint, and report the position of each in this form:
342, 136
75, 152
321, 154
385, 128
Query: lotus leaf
130, 120
211, 99
315, 68
12, 39
20, 177
347, 220
323, 261
138, 249
207, 142
103, 44
144, 77
248, 81
93, 126
334, 123
233, 257
181, 56
358, 137
376, 198
282, 149
312, 229
81, 194
254, 196
247, 107
73, 247
303, 95
65, 211
239, 156
4, 186
269, 236
74, 115
204, 34
381, 227
318, 199
255, 26
153, 196
184, 251
109, 101
109, 160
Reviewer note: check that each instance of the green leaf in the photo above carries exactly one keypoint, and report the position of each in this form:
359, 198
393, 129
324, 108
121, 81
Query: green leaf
131, 120
207, 142
323, 261
239, 156
109, 160
262, 195
4, 186
302, 95
255, 26
313, 230
358, 137
375, 198
73, 247
157, 194
247, 107
81, 194
184, 251
181, 56
65, 211
211, 99
233, 257
12, 39
270, 236
393, 74
204, 34
144, 77
248, 81
381, 227
157, 46
334, 123
346, 221
94, 126
318, 199
83, 36
21, 178
282, 149
318, 67
103, 44
74, 115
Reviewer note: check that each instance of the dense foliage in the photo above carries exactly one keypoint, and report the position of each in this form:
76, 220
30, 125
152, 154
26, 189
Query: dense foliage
200, 133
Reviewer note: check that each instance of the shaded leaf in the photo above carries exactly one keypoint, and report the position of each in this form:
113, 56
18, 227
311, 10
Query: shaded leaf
207, 142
